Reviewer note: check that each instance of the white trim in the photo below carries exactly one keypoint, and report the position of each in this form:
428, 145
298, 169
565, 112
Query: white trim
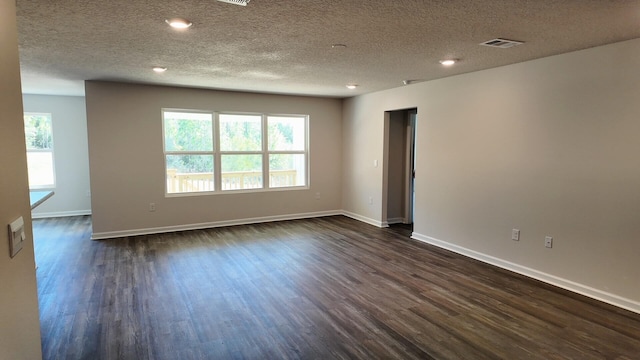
365, 219
214, 224
397, 220
585, 290
57, 214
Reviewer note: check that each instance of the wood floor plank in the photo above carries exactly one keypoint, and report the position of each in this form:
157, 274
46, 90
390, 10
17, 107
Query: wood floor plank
325, 288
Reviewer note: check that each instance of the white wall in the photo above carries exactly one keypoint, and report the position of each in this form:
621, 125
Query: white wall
547, 146
127, 161
68, 114
19, 323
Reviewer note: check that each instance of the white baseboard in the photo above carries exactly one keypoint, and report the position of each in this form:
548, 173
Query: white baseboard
365, 219
392, 221
57, 214
585, 290
166, 229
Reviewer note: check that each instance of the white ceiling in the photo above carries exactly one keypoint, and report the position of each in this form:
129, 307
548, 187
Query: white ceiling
279, 46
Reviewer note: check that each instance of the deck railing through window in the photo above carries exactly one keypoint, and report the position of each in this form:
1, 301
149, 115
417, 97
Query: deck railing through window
193, 182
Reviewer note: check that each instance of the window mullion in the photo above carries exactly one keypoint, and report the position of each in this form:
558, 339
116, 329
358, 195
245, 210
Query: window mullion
188, 152
241, 152
40, 150
265, 154
217, 158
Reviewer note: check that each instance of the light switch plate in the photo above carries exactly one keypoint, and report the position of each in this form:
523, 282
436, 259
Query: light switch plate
16, 236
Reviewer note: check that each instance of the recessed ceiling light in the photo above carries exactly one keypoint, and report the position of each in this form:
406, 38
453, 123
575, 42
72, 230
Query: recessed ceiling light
179, 23
352, 86
448, 62
159, 69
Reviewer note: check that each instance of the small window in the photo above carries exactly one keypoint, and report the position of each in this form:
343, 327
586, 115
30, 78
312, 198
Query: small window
38, 131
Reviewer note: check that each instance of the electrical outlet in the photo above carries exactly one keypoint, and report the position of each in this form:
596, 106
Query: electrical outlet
152, 207
515, 234
317, 196
548, 241
370, 200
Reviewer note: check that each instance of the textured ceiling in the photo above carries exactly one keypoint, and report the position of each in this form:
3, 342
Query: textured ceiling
284, 46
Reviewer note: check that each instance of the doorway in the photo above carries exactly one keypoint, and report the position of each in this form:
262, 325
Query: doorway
399, 176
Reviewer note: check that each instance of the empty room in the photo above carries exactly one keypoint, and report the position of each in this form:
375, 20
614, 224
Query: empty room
251, 179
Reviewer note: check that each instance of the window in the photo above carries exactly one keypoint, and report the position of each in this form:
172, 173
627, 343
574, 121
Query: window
39, 138
241, 151
287, 151
218, 152
188, 151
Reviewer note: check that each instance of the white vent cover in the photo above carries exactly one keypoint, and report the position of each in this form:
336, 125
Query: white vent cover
236, 2
502, 43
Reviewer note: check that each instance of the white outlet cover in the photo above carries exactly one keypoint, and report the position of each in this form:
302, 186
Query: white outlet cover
515, 234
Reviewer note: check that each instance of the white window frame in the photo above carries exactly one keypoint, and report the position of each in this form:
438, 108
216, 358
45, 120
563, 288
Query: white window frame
305, 151
220, 152
51, 186
211, 152
217, 153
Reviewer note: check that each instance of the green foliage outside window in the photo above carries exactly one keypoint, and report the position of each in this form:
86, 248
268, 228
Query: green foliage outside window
188, 132
240, 133
38, 132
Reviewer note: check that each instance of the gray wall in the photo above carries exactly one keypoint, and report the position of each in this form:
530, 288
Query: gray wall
71, 154
19, 323
127, 162
547, 146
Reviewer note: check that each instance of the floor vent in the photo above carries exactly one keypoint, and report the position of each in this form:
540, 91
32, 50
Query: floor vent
502, 43
236, 2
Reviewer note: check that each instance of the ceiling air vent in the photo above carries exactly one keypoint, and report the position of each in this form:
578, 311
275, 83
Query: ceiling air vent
502, 43
236, 2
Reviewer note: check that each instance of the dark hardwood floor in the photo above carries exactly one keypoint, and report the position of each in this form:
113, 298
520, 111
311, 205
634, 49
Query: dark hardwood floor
326, 288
